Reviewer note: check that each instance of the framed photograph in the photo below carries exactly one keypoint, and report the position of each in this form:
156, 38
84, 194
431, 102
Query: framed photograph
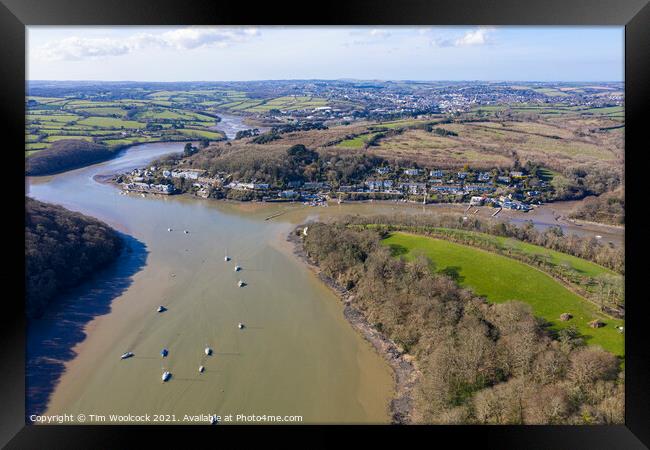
409, 215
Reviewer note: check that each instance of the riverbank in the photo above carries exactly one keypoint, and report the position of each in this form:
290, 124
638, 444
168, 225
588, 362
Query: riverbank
405, 373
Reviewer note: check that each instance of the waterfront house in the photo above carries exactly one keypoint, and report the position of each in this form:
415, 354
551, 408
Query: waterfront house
436, 173
288, 194
412, 172
192, 174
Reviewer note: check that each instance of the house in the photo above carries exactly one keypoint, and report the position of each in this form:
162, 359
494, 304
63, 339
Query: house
379, 185
461, 175
288, 194
479, 188
502, 179
484, 176
436, 174
413, 188
476, 201
412, 172
192, 174
208, 180
164, 188
382, 170
167, 173
313, 185
294, 184
516, 174
447, 189
248, 186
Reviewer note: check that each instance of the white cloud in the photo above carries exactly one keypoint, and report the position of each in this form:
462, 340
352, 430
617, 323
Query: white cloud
195, 37
479, 36
76, 48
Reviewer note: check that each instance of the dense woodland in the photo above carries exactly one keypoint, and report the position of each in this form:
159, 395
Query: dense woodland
62, 248
479, 363
67, 154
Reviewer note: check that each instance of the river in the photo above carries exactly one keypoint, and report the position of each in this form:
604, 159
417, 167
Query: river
231, 124
296, 356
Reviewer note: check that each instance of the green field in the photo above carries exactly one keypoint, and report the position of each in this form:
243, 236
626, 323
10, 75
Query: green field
111, 122
173, 114
500, 279
356, 142
582, 266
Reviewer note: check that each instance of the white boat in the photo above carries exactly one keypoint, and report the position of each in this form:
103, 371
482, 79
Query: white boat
241, 283
169, 229
126, 355
161, 309
166, 376
240, 326
186, 232
201, 369
208, 351
237, 268
226, 258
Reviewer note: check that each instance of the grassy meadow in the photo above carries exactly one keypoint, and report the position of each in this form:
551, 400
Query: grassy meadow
500, 279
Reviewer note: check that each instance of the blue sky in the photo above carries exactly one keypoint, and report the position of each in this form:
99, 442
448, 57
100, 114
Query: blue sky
384, 53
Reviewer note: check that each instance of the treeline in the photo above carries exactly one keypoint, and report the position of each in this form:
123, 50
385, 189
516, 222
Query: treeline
553, 237
62, 248
67, 154
606, 208
480, 363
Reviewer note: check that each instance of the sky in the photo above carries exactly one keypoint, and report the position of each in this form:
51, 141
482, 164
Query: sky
210, 53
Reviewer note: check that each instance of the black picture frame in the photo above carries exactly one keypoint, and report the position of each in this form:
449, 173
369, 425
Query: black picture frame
633, 14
